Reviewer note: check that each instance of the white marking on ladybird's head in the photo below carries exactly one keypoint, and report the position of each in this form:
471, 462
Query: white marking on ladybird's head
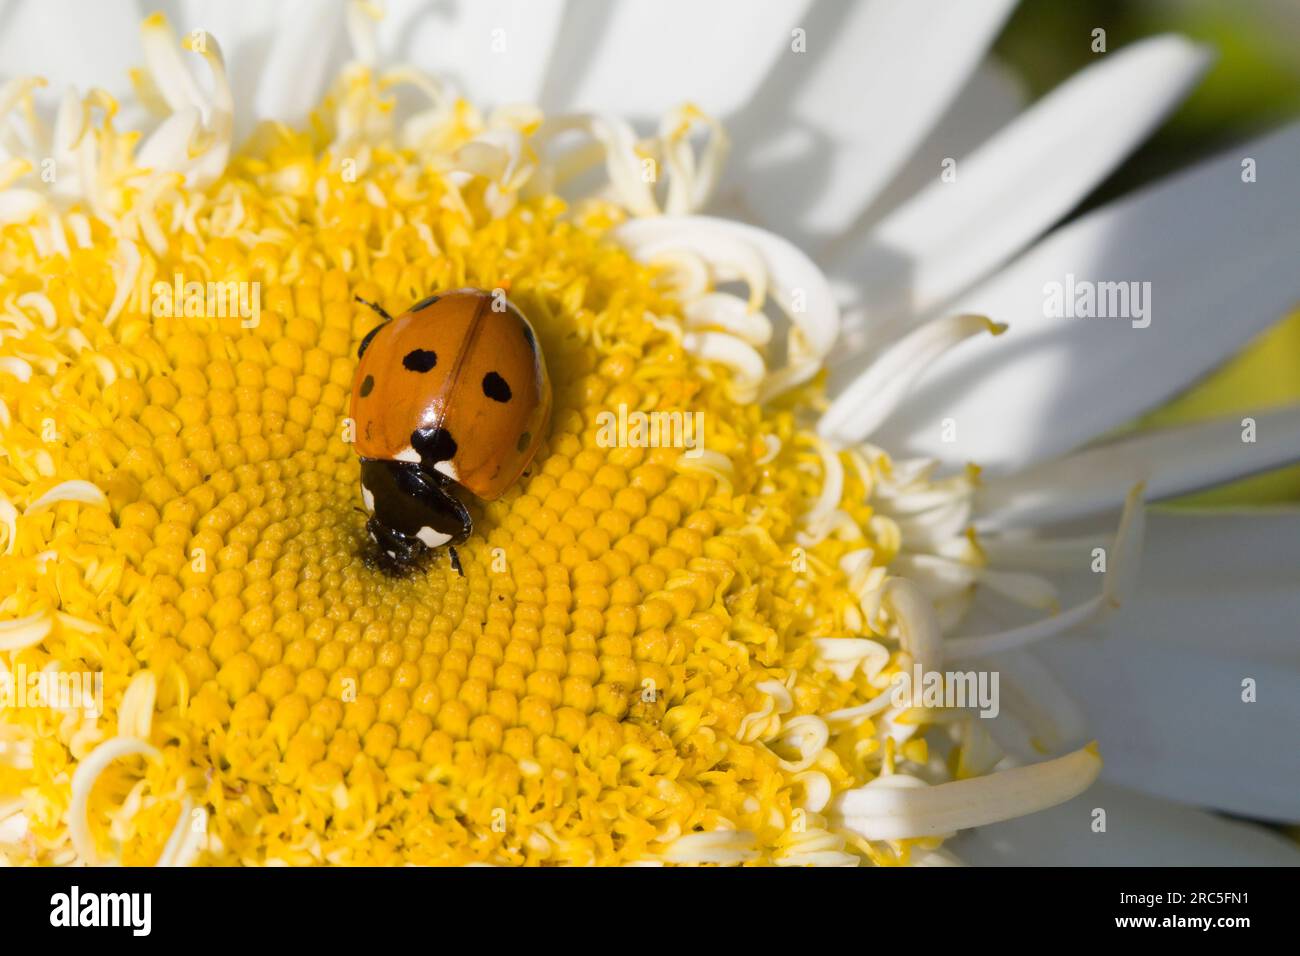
391, 554
367, 499
447, 468
408, 454
432, 538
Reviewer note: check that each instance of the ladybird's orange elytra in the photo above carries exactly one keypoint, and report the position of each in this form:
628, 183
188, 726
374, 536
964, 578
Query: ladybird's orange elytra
464, 365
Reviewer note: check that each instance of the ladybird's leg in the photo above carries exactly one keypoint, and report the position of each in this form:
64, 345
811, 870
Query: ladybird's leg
395, 545
376, 306
455, 561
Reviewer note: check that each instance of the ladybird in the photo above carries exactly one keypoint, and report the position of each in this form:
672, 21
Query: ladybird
451, 396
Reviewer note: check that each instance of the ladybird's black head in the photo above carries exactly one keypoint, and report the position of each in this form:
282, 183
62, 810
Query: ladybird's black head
412, 512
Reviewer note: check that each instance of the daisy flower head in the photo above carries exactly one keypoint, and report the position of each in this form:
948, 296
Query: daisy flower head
828, 549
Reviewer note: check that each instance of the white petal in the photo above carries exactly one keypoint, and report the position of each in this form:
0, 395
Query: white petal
1117, 586
165, 61
641, 59
244, 29
1036, 714
1250, 548
1186, 549
1159, 681
992, 97
308, 45
492, 51
867, 403
1169, 460
1260, 615
19, 205
1140, 831
168, 146
1170, 717
1220, 256
93, 48
1020, 182
830, 127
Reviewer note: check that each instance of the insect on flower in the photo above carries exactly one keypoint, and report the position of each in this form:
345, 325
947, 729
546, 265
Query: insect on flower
451, 396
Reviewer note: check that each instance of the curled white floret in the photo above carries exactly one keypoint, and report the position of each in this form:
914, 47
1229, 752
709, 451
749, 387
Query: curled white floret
886, 810
84, 492
869, 401
714, 846
26, 631
770, 267
83, 781
1120, 574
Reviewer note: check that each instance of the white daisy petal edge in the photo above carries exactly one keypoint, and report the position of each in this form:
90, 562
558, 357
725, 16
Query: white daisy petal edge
640, 60
298, 65
1140, 831
96, 50
991, 99
1247, 548
1169, 460
495, 52
1020, 182
876, 394
1219, 254
848, 112
1177, 722
1164, 683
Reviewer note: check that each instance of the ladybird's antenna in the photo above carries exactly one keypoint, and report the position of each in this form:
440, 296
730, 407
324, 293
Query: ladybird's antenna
377, 308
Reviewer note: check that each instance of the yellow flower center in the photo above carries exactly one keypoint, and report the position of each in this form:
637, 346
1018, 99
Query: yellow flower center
628, 669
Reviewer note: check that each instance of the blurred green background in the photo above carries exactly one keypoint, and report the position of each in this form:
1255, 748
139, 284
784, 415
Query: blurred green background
1254, 85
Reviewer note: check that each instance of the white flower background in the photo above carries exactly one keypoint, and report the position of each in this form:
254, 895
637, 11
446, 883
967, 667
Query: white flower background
838, 149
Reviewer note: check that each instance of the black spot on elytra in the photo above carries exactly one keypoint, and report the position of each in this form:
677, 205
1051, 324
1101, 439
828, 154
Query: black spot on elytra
425, 303
524, 439
420, 360
434, 444
365, 343
495, 387
367, 385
